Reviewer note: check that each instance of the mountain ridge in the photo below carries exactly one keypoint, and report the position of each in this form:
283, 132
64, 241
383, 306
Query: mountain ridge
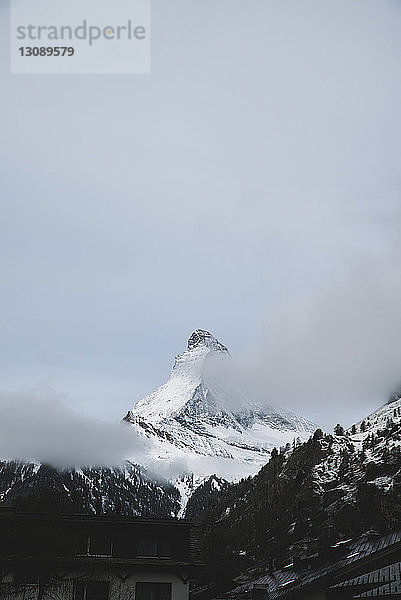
130, 491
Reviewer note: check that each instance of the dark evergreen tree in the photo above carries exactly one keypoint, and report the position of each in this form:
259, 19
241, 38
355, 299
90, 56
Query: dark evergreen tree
339, 429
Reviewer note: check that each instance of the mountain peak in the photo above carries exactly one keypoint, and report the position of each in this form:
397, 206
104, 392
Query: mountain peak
205, 419
201, 337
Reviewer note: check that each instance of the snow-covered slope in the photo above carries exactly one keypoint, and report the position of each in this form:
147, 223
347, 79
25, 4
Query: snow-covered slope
206, 424
369, 452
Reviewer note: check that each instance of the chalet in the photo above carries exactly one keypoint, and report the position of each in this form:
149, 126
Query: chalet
84, 557
367, 567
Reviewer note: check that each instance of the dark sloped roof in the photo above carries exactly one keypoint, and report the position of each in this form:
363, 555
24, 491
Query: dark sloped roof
392, 589
388, 574
8, 513
12, 521
281, 583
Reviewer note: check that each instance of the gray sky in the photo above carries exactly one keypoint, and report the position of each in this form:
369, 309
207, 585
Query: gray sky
252, 179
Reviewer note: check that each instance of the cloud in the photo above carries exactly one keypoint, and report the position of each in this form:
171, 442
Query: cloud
38, 425
335, 352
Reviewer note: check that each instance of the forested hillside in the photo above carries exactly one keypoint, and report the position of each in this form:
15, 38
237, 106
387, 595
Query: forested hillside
307, 498
131, 491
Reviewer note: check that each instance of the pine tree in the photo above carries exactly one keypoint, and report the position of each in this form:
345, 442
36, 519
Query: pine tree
339, 429
318, 435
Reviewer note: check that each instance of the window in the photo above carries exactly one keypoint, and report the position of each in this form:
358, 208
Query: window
99, 545
81, 543
95, 544
147, 546
24, 577
91, 590
153, 591
151, 546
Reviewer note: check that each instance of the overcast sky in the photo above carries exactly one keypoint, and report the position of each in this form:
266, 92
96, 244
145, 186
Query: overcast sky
249, 186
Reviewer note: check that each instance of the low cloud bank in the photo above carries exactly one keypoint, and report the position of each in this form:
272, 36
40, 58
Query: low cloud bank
38, 425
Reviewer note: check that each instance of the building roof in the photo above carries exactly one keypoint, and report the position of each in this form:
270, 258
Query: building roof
390, 590
386, 574
17, 526
7, 513
355, 553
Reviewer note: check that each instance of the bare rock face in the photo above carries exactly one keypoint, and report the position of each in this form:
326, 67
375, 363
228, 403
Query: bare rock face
200, 337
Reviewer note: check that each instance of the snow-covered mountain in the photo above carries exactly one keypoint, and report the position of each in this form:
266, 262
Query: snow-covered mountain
206, 423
